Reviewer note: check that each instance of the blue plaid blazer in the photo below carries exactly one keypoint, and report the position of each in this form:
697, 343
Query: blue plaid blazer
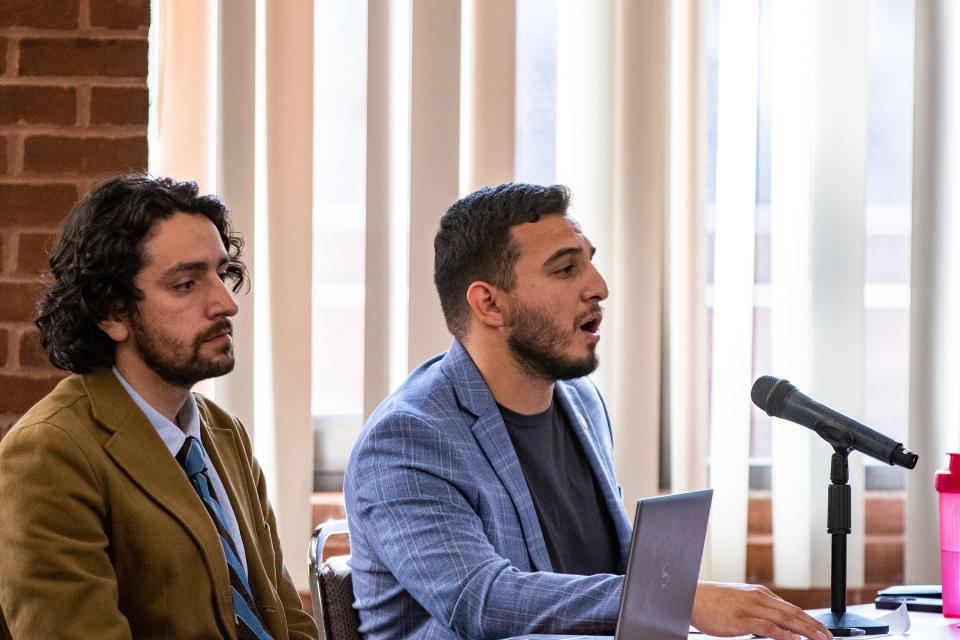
445, 540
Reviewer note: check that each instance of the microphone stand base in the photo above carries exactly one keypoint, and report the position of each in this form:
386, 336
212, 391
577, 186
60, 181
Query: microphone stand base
850, 624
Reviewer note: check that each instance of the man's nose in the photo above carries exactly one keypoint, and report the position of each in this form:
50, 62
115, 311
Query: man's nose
597, 287
222, 302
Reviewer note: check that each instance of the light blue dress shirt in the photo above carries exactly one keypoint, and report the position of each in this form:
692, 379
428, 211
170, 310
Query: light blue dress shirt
174, 437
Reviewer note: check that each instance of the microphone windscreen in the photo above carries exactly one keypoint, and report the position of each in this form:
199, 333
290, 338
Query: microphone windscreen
770, 394
761, 390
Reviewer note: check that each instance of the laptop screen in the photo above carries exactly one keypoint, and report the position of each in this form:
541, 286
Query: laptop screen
664, 565
662, 570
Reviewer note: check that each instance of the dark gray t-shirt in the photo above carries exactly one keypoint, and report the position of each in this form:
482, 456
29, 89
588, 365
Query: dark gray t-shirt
577, 526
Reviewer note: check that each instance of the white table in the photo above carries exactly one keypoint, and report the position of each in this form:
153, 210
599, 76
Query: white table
923, 626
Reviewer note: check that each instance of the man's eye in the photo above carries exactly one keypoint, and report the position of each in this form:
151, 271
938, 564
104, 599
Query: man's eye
565, 271
185, 286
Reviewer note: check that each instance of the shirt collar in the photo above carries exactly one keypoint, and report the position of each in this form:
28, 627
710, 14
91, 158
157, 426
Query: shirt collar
172, 435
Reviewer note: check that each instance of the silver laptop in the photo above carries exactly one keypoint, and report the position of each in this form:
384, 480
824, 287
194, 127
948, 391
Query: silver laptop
662, 570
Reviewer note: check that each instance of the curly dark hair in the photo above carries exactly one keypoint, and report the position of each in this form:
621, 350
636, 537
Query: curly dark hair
474, 243
100, 251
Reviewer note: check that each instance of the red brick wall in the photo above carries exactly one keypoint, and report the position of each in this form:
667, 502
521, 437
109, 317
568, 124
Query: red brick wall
73, 108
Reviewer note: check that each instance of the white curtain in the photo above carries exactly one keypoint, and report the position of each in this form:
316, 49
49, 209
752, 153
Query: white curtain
934, 277
440, 122
413, 175
733, 300
416, 166
607, 75
183, 63
284, 425
817, 161
488, 93
210, 127
685, 333
611, 72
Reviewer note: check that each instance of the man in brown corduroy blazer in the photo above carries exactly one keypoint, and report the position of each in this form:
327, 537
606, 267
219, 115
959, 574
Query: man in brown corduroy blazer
102, 534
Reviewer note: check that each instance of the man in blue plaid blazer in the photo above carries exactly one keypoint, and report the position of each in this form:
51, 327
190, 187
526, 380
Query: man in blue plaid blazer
452, 508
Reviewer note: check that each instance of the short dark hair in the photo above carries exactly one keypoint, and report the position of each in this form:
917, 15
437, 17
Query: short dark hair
98, 255
474, 242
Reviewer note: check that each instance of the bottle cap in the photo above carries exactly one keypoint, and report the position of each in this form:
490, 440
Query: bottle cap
948, 479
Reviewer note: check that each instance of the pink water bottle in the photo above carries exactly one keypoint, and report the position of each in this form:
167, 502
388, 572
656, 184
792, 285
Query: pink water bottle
948, 486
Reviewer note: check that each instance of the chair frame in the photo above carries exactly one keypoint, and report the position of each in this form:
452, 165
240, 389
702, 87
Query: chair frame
321, 533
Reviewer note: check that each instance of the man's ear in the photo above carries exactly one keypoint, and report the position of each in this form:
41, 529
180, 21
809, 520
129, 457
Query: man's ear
116, 325
484, 300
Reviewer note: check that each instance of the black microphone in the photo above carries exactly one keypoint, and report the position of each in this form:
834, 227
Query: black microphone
781, 399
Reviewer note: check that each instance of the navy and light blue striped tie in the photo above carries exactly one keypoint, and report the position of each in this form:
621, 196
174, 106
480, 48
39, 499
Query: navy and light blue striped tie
249, 626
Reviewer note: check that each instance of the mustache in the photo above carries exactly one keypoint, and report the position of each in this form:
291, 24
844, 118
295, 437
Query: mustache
581, 318
218, 327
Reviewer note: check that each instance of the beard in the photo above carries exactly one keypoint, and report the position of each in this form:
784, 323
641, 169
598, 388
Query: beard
180, 363
538, 345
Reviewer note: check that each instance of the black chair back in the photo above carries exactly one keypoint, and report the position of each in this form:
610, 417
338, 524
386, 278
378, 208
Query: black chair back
331, 586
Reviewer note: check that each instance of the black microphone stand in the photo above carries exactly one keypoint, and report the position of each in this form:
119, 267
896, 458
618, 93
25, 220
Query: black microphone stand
839, 621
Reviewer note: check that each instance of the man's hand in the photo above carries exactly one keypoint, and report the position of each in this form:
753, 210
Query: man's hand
736, 609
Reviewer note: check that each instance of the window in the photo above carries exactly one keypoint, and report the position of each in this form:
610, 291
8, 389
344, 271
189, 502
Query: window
339, 200
536, 91
887, 225
340, 63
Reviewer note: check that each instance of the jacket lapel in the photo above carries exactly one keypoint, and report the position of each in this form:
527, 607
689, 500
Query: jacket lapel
491, 434
221, 446
136, 448
226, 455
579, 420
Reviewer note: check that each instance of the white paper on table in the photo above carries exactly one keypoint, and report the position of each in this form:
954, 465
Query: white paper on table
898, 620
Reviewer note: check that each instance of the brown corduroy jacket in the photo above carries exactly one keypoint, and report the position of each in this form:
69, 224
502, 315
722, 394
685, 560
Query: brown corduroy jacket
102, 535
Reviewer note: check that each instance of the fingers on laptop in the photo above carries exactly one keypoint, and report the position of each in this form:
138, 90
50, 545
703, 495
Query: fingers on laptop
766, 629
734, 609
787, 627
791, 619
